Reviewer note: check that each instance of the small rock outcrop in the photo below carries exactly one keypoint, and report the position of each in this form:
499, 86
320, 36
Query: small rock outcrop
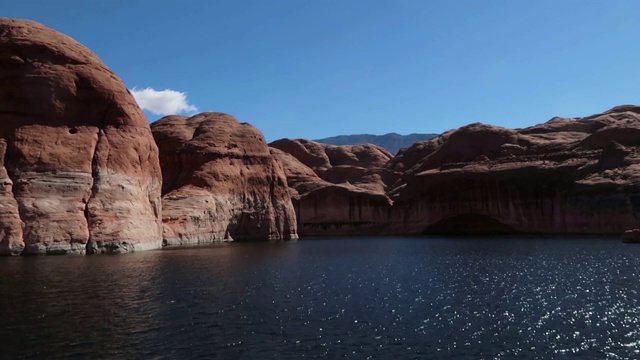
220, 182
631, 236
338, 190
79, 169
569, 175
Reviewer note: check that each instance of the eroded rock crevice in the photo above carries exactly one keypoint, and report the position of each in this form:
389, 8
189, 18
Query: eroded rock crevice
92, 247
12, 223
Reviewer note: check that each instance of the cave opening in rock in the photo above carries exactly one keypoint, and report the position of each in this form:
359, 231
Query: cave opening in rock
468, 224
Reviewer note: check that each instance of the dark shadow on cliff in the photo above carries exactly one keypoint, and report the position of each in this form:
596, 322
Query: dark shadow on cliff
469, 224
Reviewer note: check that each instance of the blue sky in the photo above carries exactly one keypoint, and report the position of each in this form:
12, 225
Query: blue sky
317, 68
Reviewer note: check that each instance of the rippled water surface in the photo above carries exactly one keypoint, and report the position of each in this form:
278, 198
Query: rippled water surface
378, 298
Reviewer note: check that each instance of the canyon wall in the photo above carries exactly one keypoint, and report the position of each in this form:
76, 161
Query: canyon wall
337, 190
568, 175
220, 182
79, 169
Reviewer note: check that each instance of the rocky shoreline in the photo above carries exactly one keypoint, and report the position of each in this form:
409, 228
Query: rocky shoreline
83, 172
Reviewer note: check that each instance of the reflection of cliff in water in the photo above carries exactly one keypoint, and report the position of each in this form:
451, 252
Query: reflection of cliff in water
95, 301
469, 224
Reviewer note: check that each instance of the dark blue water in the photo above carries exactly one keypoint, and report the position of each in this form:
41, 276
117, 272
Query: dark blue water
381, 298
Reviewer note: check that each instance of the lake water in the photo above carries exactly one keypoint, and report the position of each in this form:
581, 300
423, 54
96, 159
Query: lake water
377, 298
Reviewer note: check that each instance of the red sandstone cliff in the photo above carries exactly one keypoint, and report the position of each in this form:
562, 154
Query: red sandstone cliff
338, 190
220, 182
565, 176
79, 169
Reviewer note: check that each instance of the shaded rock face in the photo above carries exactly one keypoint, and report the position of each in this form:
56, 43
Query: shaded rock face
220, 182
342, 210
79, 169
338, 190
568, 175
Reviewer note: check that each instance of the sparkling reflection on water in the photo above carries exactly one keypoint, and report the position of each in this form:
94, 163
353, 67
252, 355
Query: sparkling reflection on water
378, 298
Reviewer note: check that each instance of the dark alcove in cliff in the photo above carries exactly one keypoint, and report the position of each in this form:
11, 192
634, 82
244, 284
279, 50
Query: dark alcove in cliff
469, 224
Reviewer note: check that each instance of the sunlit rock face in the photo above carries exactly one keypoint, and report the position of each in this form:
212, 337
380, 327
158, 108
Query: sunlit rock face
568, 175
338, 190
79, 169
220, 182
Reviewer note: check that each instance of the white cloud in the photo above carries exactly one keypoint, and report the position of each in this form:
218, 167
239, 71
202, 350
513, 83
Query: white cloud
163, 102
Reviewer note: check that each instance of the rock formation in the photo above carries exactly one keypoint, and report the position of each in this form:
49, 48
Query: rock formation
631, 236
79, 169
220, 182
339, 190
565, 176
78, 165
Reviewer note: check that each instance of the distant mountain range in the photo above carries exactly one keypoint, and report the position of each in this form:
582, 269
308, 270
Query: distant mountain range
392, 141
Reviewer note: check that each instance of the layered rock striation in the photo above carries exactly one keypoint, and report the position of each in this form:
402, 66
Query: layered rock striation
220, 182
569, 175
79, 169
338, 190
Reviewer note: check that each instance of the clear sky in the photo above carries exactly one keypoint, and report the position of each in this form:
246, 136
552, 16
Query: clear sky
317, 68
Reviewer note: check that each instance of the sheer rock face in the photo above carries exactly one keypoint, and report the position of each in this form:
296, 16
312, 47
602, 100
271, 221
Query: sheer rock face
220, 182
338, 190
568, 175
79, 169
